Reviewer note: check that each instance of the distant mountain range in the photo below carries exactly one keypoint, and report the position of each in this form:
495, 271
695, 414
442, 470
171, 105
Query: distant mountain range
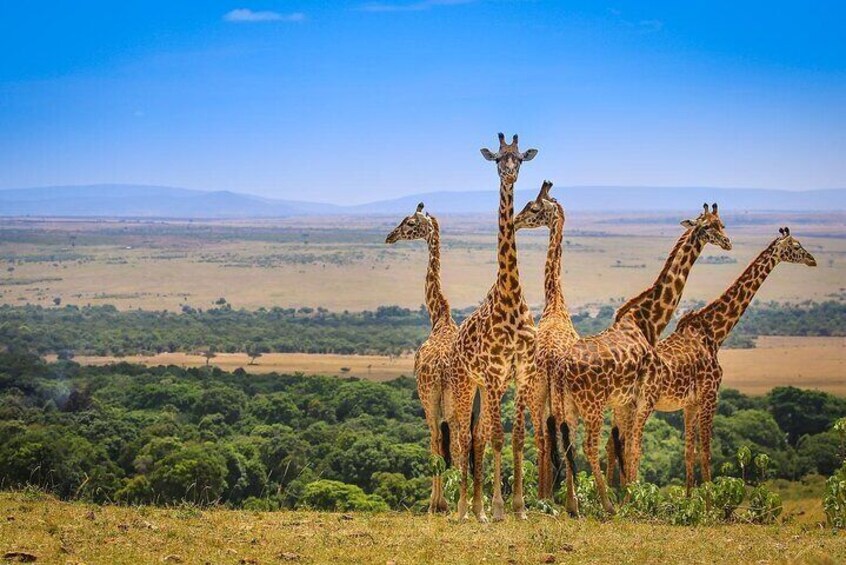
122, 200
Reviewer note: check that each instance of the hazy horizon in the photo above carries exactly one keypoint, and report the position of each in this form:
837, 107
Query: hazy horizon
351, 99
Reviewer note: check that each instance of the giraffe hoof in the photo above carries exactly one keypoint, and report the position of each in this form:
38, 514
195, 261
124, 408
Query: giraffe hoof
521, 515
482, 518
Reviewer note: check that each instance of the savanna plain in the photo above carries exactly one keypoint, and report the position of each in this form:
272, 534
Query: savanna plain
315, 268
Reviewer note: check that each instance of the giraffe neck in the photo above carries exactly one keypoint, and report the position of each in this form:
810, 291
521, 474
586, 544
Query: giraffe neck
508, 277
436, 302
722, 314
653, 308
555, 302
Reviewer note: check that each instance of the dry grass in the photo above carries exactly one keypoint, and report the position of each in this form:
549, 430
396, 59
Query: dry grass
806, 362
162, 271
59, 532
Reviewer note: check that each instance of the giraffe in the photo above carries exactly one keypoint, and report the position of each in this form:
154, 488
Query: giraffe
555, 330
618, 366
495, 344
432, 359
689, 355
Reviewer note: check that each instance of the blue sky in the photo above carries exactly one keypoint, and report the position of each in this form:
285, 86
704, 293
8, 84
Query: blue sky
352, 101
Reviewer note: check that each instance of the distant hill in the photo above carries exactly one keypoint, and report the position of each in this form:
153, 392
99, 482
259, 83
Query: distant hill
118, 200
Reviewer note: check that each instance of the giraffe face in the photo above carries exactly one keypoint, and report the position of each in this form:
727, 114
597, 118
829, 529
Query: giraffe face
542, 211
709, 228
509, 158
416, 226
789, 250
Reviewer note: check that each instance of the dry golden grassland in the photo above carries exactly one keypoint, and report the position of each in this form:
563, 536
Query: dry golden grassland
344, 264
806, 362
61, 532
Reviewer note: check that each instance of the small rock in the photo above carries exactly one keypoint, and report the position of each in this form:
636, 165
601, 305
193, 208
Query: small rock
390, 562
568, 548
289, 556
123, 527
548, 558
172, 559
248, 561
90, 515
150, 526
346, 517
19, 556
10, 518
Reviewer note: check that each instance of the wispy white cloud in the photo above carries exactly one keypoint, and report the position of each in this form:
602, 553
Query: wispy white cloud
418, 6
643, 26
245, 15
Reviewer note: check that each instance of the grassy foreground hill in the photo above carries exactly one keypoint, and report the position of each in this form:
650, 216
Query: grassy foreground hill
66, 532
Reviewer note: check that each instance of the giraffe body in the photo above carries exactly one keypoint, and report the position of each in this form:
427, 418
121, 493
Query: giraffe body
618, 367
495, 345
555, 332
688, 356
433, 360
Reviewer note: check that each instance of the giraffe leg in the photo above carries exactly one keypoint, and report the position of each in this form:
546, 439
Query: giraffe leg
480, 441
706, 423
493, 403
690, 425
653, 376
518, 434
569, 436
538, 398
593, 427
463, 412
430, 399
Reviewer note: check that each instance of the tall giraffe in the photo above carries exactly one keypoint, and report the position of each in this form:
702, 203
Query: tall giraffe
689, 355
432, 360
495, 343
618, 366
555, 330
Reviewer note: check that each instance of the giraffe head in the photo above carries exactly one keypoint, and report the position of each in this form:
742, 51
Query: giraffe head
419, 225
789, 250
542, 211
709, 228
508, 158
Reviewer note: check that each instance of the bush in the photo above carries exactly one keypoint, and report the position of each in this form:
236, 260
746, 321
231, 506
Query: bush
340, 497
834, 501
764, 505
726, 494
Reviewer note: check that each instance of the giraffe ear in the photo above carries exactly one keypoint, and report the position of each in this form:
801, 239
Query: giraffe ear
487, 154
530, 154
688, 223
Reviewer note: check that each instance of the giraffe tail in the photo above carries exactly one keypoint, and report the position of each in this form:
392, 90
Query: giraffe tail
618, 448
445, 444
568, 448
554, 454
474, 419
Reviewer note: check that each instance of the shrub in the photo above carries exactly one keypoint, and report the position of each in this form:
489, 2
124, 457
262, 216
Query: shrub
834, 501
764, 505
726, 494
337, 496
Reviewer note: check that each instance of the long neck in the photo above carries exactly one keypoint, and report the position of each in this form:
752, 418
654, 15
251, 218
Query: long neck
722, 314
653, 308
508, 277
436, 302
552, 272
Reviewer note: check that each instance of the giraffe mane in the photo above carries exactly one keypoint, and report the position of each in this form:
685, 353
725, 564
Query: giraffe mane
622, 310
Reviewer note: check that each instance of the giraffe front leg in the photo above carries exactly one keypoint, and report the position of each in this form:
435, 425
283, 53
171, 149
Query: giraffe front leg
462, 416
568, 435
691, 415
493, 411
480, 441
518, 434
593, 427
706, 427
